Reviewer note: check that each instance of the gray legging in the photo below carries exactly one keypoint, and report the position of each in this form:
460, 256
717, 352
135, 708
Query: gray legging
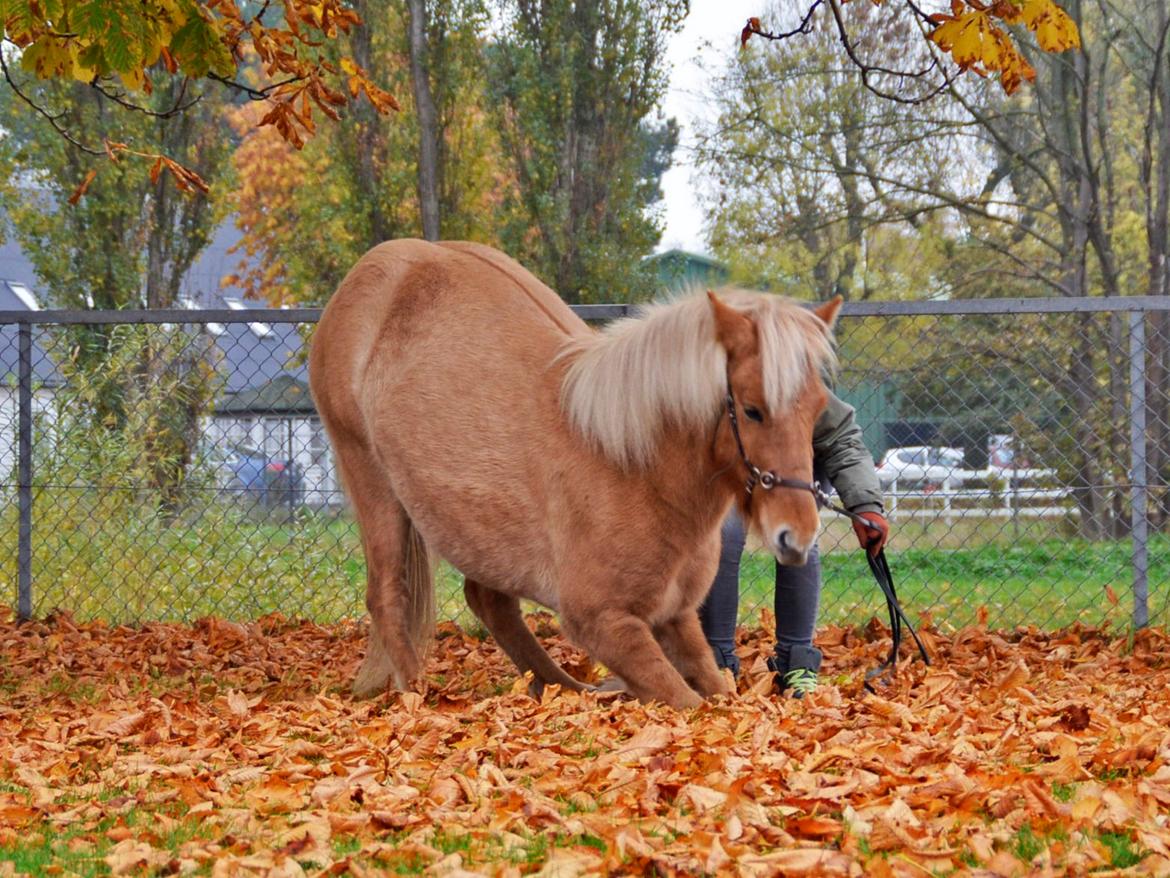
796, 600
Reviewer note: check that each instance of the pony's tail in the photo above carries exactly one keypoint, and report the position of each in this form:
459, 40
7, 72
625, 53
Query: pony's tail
396, 652
418, 577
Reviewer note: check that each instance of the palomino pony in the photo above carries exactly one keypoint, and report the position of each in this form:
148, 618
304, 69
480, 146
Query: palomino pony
474, 417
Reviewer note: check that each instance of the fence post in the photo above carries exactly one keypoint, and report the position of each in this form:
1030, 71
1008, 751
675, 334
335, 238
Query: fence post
1138, 475
24, 476
291, 470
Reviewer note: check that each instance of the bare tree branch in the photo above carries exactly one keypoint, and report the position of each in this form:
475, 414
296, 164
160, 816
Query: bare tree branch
254, 94
805, 26
177, 108
867, 70
53, 120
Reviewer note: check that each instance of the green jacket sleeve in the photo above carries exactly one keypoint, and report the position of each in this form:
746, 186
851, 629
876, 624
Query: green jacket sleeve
839, 452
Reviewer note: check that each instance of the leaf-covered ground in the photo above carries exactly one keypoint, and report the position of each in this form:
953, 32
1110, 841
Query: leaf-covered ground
230, 749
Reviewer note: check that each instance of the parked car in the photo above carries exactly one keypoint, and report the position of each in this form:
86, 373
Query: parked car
253, 475
1004, 463
923, 466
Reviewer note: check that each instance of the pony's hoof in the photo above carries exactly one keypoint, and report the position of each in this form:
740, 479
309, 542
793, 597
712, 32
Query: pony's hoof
370, 683
363, 690
611, 683
688, 701
724, 685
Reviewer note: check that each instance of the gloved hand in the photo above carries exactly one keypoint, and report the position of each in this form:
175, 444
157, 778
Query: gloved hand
872, 540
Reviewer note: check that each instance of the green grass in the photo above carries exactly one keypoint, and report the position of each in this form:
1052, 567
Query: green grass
100, 556
527, 850
1063, 792
82, 849
1025, 845
344, 845
45, 850
1049, 583
1123, 853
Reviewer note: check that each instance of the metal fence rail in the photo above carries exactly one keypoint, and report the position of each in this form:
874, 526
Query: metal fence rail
169, 464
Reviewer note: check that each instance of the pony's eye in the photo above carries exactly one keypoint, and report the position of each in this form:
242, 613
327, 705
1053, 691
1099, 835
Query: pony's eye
754, 413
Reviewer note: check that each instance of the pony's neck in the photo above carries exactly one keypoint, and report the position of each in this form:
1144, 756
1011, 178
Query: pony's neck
697, 488
627, 387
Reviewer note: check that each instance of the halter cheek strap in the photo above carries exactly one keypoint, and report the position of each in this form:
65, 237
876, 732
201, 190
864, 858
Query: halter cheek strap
768, 480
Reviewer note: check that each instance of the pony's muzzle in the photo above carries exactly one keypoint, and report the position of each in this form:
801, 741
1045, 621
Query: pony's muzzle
789, 550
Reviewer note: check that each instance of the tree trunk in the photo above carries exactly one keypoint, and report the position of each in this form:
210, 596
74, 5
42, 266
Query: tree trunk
156, 296
1090, 497
428, 123
847, 171
367, 142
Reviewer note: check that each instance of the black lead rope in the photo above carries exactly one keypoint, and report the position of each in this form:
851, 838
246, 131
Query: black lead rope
880, 568
878, 564
881, 572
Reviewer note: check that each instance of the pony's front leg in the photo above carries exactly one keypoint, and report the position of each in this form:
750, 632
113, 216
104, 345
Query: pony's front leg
684, 644
681, 636
500, 613
625, 644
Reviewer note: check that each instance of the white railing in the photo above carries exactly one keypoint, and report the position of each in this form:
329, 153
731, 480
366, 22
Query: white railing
947, 501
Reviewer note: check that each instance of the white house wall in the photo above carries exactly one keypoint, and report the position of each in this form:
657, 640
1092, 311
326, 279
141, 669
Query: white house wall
43, 413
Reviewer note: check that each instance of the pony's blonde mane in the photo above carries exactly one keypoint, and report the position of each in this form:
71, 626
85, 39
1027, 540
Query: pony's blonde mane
625, 383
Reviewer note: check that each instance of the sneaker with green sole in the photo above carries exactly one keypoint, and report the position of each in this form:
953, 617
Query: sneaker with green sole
800, 682
796, 673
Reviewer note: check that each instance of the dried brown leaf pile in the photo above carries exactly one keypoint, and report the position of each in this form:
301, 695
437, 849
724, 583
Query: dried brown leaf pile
231, 749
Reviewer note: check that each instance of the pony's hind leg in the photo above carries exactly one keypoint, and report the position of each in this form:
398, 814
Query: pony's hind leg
500, 613
400, 599
625, 644
399, 580
684, 644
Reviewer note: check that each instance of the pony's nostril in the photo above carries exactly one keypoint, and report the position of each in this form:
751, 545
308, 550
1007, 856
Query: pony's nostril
788, 548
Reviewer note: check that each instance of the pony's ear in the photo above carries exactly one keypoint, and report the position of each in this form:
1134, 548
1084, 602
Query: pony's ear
828, 311
734, 330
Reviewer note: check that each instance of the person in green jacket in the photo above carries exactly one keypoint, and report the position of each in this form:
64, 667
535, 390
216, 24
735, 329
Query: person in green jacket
841, 458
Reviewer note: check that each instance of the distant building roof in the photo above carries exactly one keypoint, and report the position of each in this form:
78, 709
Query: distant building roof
15, 266
16, 295
251, 354
680, 268
690, 255
203, 282
249, 360
284, 394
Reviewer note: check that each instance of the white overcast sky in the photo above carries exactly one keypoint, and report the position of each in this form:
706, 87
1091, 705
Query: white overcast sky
711, 32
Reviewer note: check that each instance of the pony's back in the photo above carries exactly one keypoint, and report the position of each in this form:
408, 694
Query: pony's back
388, 308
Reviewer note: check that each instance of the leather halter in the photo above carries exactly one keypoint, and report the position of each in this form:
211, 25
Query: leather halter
768, 480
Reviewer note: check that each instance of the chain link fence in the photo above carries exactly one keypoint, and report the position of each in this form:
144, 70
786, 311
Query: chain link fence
170, 465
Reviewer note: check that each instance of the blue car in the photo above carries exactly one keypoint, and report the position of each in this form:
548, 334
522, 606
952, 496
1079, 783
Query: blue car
253, 475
